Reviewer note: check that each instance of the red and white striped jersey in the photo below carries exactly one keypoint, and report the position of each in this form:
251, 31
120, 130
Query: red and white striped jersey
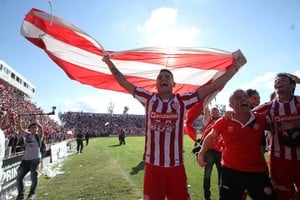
280, 114
164, 126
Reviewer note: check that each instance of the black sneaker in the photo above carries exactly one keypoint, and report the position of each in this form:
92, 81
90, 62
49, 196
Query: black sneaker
20, 197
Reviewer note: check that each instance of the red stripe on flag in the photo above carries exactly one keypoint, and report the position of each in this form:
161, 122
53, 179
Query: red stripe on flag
79, 55
61, 30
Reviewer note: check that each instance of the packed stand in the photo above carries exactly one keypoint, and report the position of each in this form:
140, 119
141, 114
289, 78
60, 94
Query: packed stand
99, 124
14, 102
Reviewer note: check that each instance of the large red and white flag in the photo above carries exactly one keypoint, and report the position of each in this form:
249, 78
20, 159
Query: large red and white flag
79, 55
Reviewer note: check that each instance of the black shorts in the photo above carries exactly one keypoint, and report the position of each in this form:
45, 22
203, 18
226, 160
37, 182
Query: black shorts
234, 183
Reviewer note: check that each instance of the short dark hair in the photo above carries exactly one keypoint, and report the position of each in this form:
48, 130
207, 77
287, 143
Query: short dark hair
166, 70
286, 75
215, 108
251, 92
32, 124
291, 80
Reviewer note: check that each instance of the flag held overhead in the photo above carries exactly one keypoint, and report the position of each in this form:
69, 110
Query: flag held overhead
79, 55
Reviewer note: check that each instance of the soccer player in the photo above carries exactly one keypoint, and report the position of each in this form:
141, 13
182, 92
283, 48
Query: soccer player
284, 114
165, 175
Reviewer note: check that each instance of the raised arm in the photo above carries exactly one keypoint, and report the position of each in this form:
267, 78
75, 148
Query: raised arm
239, 60
294, 77
19, 126
40, 129
118, 75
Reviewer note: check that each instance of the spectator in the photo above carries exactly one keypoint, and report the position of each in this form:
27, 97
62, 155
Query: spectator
13, 142
14, 101
103, 124
31, 159
21, 143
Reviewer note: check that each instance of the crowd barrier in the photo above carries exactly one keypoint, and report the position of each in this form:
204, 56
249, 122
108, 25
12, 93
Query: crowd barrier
8, 172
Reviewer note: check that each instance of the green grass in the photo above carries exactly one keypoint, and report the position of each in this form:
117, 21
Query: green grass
106, 170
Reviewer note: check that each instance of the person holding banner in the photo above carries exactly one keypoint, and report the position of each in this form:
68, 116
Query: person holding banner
165, 176
31, 159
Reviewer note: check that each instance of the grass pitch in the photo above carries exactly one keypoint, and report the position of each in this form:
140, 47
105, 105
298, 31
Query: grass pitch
106, 170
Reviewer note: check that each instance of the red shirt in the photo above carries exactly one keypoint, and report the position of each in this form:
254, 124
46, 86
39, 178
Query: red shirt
217, 144
242, 143
164, 126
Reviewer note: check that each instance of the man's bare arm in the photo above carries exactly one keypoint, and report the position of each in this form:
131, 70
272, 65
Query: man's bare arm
239, 60
207, 142
19, 125
118, 75
40, 129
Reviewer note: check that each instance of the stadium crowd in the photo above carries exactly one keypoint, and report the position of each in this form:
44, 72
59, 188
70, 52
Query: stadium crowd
99, 124
16, 103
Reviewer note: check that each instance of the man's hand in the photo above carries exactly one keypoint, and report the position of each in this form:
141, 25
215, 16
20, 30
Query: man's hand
201, 161
294, 77
106, 58
239, 59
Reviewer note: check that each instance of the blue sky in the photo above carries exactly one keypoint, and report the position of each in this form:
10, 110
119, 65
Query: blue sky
267, 32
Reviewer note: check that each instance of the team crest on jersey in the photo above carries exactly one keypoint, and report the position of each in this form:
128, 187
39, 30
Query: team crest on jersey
175, 105
230, 128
